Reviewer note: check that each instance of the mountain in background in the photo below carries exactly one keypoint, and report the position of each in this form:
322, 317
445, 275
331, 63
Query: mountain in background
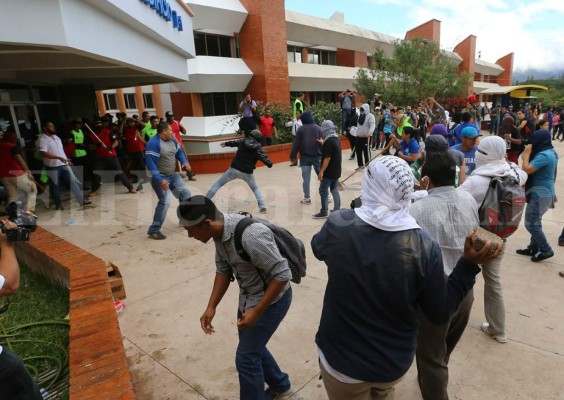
524, 75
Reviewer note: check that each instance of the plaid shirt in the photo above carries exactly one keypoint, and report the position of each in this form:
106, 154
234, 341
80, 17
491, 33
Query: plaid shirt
258, 241
448, 215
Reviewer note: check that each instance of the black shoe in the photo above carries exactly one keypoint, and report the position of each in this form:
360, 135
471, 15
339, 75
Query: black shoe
542, 255
139, 187
59, 207
320, 215
157, 235
526, 251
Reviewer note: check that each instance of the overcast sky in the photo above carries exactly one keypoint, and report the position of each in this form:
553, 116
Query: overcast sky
532, 29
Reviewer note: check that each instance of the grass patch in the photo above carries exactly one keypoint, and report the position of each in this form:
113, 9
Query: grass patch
43, 347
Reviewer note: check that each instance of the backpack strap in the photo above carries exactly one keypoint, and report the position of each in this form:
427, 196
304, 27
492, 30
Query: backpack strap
238, 237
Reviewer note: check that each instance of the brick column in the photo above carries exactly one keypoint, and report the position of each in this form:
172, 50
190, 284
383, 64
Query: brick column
467, 51
430, 30
120, 100
139, 99
262, 43
506, 77
351, 58
305, 53
101, 103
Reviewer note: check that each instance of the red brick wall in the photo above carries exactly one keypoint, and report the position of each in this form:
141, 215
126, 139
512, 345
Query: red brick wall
506, 77
467, 51
263, 47
186, 104
430, 30
351, 58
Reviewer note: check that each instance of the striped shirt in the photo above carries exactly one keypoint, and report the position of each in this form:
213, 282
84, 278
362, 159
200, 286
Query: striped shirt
258, 241
447, 215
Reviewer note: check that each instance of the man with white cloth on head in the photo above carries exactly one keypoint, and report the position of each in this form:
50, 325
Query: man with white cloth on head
368, 328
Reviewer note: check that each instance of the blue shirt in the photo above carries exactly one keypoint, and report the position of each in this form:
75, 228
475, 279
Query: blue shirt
459, 128
543, 178
410, 148
469, 157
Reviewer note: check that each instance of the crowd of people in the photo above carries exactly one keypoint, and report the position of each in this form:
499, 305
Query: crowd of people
418, 211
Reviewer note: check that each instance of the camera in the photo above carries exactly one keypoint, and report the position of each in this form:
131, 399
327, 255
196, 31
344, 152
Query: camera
25, 223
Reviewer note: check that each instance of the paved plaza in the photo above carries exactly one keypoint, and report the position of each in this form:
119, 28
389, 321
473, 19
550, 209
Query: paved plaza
168, 284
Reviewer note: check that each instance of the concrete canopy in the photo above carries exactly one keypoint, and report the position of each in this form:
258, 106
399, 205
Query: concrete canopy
218, 16
216, 74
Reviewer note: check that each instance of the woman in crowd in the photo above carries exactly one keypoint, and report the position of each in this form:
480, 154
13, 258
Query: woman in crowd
540, 162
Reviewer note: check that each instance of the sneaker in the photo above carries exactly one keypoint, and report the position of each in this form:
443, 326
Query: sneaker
305, 200
132, 190
87, 204
526, 251
542, 255
320, 215
139, 187
156, 235
293, 164
561, 273
500, 338
263, 210
351, 158
360, 168
59, 207
269, 394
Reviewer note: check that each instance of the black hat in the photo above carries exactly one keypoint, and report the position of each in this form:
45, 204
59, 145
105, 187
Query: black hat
169, 114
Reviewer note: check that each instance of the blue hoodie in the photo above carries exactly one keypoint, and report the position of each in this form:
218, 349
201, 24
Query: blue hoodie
306, 138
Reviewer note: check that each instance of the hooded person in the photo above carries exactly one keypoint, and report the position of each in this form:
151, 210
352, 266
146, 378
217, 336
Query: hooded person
437, 142
365, 127
513, 141
366, 339
249, 151
490, 162
330, 171
540, 162
307, 144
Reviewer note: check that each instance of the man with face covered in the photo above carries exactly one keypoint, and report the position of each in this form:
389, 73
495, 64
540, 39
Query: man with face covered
366, 337
330, 171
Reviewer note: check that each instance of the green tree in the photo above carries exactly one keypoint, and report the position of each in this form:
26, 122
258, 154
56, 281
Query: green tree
417, 70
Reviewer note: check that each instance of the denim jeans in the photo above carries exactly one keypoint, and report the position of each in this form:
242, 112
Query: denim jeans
56, 176
232, 174
306, 162
345, 113
536, 207
15, 380
324, 186
177, 187
254, 362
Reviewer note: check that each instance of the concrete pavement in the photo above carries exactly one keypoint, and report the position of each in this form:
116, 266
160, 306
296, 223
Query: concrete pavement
168, 285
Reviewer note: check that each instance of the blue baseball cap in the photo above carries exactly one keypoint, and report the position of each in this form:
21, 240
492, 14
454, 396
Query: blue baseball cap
470, 132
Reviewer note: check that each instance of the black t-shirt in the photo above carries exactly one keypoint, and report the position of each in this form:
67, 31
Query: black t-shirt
514, 135
332, 148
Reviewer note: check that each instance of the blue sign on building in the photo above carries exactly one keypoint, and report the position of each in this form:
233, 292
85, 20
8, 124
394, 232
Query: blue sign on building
162, 8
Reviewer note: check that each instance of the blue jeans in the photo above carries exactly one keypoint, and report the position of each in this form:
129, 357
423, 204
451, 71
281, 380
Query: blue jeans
254, 362
306, 162
177, 187
324, 187
58, 174
345, 113
232, 174
536, 207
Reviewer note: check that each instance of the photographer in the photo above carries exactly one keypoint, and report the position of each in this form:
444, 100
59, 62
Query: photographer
248, 108
15, 380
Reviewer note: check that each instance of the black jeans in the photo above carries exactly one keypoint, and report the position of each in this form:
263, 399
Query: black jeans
108, 164
15, 380
361, 149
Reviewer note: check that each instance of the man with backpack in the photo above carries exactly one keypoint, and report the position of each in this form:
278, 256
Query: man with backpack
265, 292
490, 164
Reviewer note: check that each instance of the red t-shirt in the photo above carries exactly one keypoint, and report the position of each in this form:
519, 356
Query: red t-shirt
132, 142
9, 167
175, 127
108, 138
266, 126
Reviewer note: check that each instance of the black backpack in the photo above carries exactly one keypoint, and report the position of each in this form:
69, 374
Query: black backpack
290, 248
503, 206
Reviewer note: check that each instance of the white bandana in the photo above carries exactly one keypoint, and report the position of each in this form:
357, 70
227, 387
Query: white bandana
387, 187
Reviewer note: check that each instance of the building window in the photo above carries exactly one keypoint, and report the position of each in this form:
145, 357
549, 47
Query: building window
327, 97
214, 104
294, 54
110, 101
148, 100
323, 57
130, 102
212, 45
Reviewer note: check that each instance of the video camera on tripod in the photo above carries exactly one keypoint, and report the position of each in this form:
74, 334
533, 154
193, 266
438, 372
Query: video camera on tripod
25, 223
